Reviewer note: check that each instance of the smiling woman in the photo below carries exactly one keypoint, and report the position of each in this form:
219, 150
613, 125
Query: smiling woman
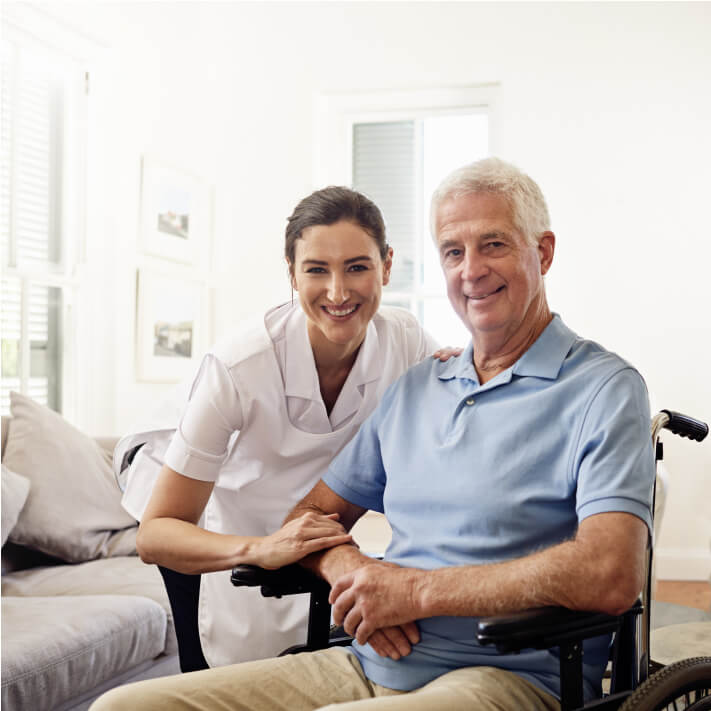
339, 274
268, 410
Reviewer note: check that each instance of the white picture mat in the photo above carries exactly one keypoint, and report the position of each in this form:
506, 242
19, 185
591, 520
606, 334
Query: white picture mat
174, 302
167, 191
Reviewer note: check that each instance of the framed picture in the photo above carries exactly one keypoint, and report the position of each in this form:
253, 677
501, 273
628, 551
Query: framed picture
175, 213
171, 318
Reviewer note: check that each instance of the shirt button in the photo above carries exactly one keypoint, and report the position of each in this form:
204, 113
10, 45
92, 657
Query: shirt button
470, 401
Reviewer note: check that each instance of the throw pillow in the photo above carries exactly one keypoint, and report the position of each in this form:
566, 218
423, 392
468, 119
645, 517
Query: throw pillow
73, 510
14, 494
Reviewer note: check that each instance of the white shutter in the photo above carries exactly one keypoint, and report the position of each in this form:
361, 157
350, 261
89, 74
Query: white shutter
384, 169
11, 328
29, 225
7, 74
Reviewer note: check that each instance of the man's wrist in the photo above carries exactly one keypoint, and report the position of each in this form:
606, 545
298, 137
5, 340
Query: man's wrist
335, 562
420, 593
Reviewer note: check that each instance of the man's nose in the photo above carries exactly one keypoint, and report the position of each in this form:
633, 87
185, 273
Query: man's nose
473, 266
337, 292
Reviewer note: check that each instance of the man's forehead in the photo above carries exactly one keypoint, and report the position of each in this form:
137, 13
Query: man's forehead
489, 211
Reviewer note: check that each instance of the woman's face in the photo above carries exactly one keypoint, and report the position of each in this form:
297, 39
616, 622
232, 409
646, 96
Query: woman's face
339, 276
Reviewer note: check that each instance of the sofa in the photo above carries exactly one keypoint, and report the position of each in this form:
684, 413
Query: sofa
81, 613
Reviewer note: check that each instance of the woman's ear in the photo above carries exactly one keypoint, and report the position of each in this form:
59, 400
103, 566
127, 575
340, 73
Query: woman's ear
387, 266
292, 277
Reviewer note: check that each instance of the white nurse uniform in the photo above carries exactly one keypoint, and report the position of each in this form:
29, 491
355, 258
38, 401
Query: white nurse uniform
256, 425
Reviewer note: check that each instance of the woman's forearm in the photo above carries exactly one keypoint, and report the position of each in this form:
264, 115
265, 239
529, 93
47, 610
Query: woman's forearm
187, 548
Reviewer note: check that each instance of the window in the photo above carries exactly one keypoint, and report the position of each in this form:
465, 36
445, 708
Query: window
397, 147
40, 214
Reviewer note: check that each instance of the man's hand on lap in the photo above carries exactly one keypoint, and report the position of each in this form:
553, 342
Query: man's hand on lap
377, 604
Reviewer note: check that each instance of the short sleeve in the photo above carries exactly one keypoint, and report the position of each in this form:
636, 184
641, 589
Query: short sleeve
614, 462
212, 415
430, 344
420, 344
357, 473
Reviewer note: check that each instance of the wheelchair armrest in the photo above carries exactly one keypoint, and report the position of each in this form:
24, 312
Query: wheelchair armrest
546, 627
289, 580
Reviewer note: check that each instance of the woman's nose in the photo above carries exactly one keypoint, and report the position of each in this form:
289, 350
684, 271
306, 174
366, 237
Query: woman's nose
337, 292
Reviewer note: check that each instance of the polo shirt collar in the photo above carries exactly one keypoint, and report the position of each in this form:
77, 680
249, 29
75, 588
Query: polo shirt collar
543, 359
300, 376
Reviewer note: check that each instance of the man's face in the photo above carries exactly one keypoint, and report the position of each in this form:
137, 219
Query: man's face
494, 276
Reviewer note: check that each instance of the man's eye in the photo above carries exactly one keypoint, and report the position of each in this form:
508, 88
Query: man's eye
357, 268
453, 252
494, 244
315, 270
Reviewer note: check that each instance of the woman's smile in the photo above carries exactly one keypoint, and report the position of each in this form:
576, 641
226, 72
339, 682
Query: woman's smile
339, 275
340, 313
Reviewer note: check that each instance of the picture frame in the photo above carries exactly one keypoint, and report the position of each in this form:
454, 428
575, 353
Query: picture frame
171, 325
175, 213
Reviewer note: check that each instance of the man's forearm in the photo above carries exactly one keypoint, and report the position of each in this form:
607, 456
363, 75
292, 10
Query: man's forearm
553, 578
588, 573
573, 574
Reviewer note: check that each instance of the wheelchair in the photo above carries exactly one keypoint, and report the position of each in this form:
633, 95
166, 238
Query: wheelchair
636, 683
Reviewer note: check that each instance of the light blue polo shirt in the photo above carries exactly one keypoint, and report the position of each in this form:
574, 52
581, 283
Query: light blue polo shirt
470, 474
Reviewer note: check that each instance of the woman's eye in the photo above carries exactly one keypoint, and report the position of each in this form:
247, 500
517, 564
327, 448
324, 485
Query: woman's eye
357, 268
315, 270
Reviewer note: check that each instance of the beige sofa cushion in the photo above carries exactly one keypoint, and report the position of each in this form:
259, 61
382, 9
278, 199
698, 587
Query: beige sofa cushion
15, 489
57, 648
73, 510
106, 576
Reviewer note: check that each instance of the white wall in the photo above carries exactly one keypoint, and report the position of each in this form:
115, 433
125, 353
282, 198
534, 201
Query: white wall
607, 106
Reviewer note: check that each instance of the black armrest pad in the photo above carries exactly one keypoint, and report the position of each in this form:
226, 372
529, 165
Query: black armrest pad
546, 627
289, 580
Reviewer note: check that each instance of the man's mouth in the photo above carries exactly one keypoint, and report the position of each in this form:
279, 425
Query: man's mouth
341, 310
481, 297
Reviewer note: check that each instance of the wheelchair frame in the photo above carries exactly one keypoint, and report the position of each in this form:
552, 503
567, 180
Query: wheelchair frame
542, 628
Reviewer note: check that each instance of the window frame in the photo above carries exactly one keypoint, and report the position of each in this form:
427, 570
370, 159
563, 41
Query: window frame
33, 33
337, 113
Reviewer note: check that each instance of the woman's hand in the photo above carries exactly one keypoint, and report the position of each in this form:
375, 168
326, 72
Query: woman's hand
445, 353
309, 533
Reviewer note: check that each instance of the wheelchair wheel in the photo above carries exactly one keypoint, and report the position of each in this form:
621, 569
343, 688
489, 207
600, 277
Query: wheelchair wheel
682, 685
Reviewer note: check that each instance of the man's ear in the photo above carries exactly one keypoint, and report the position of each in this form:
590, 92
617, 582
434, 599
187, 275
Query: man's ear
387, 266
546, 250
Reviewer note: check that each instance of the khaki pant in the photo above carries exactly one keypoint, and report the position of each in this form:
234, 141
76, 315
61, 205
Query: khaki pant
331, 679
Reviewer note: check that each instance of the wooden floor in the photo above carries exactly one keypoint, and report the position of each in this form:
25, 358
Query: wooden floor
691, 594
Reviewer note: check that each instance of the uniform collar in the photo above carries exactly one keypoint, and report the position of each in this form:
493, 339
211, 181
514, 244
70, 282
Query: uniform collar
543, 359
300, 376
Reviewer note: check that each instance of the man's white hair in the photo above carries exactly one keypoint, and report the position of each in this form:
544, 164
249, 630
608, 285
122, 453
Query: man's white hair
493, 175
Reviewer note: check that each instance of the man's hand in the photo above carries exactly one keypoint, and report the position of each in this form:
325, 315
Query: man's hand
377, 604
392, 639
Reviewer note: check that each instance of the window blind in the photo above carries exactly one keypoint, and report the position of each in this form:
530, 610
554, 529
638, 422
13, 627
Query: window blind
384, 170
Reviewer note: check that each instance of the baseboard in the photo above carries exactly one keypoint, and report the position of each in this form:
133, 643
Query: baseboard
682, 563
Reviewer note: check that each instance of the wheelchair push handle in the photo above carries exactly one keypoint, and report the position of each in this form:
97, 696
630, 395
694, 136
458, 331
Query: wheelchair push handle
686, 426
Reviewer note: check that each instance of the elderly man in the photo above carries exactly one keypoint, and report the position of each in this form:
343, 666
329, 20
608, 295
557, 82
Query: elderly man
515, 476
